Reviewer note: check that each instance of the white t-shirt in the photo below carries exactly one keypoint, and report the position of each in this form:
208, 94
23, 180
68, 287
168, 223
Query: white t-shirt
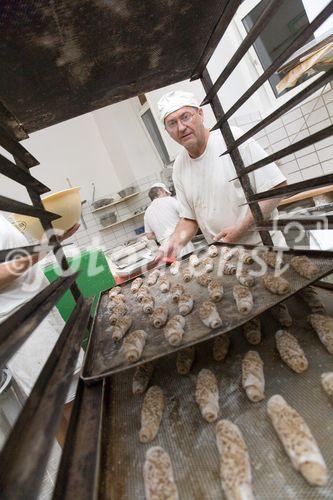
161, 218
205, 193
28, 361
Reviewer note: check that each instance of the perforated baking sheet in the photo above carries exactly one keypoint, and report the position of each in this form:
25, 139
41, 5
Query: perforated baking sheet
190, 440
104, 356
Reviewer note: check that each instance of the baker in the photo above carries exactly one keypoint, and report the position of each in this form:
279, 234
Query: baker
162, 216
202, 179
20, 280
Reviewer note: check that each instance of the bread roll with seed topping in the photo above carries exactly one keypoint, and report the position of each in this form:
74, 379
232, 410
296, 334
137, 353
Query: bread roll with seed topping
134, 344
151, 414
304, 266
276, 284
323, 326
159, 316
158, 476
243, 298
174, 330
290, 351
185, 304
252, 331
207, 395
253, 380
221, 347
185, 360
122, 326
141, 378
209, 315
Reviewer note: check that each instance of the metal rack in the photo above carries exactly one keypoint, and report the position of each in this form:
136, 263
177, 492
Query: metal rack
24, 456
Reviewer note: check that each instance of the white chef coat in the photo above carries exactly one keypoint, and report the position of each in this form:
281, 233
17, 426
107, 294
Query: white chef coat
161, 218
206, 195
28, 361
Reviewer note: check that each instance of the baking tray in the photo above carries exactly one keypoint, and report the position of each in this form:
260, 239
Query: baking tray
190, 440
104, 356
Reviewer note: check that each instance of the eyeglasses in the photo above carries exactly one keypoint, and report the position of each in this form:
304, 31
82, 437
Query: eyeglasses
185, 119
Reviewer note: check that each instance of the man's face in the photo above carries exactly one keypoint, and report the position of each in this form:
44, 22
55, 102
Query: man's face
186, 126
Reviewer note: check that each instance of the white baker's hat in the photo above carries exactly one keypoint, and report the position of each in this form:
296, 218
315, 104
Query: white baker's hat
160, 185
174, 100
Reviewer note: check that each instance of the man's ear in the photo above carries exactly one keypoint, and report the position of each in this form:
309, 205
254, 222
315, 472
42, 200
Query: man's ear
201, 113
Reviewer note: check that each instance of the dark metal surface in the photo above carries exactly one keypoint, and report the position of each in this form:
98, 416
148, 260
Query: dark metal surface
319, 222
235, 157
190, 440
217, 34
16, 329
9, 205
11, 124
266, 15
24, 456
104, 356
15, 148
297, 146
18, 174
15, 253
296, 44
296, 187
78, 472
62, 59
297, 99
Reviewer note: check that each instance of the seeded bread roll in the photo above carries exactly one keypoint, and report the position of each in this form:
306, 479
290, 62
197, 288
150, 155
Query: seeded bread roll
290, 351
142, 292
221, 347
141, 378
148, 303
158, 476
227, 253
187, 274
203, 279
215, 290
164, 284
117, 312
134, 344
174, 268
159, 316
207, 395
253, 379
246, 258
116, 301
122, 326
209, 315
229, 268
176, 291
298, 441
212, 251
174, 330
185, 360
185, 304
245, 278
235, 467
276, 284
194, 260
312, 299
243, 298
208, 264
327, 384
281, 313
252, 331
270, 257
323, 326
304, 266
136, 284
114, 291
153, 277
151, 414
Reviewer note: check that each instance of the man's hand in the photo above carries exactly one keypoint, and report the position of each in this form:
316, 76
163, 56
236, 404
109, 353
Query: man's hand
231, 234
170, 251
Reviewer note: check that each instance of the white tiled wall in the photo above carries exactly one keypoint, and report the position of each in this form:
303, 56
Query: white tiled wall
119, 234
299, 123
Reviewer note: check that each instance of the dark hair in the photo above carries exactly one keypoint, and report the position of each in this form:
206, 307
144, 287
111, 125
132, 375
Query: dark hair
155, 192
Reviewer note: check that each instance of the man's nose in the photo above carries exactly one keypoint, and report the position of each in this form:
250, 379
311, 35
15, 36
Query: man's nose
181, 126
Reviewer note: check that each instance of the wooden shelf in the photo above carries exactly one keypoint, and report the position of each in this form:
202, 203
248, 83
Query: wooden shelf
115, 202
122, 221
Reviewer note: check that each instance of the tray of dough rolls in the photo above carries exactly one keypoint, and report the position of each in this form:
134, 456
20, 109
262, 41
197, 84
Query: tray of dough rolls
144, 342
190, 440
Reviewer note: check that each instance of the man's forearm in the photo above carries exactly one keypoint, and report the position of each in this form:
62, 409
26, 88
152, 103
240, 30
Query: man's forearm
266, 206
185, 230
10, 271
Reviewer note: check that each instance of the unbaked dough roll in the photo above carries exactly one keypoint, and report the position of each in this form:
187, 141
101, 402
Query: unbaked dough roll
122, 326
174, 268
148, 303
176, 291
187, 274
270, 257
312, 299
185, 304
323, 326
327, 384
207, 395
227, 253
235, 467
212, 251
229, 268
252, 331
290, 351
221, 347
164, 284
297, 440
304, 266
209, 315
245, 258
185, 360
243, 298
203, 279
158, 476
134, 344
142, 292
159, 316
117, 312
208, 264
136, 284
276, 284
153, 277
281, 313
253, 379
151, 413
114, 291
215, 290
141, 378
245, 278
194, 260
174, 330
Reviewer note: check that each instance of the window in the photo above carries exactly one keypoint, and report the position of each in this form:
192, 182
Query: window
286, 24
149, 121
